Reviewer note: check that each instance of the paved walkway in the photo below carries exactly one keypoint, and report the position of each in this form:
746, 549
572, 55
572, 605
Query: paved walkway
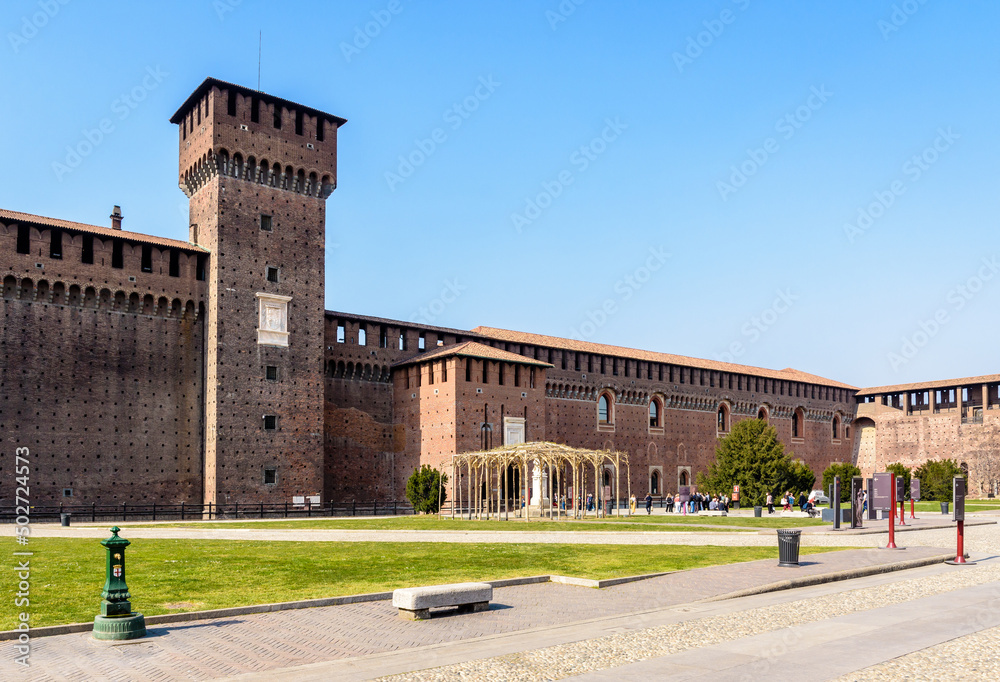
264, 643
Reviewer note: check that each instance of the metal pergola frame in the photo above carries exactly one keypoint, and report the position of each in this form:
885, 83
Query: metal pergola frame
565, 466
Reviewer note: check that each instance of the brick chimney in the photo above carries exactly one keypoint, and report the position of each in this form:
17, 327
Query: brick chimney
116, 218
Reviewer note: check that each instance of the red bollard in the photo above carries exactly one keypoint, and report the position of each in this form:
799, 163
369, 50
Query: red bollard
959, 559
892, 515
902, 513
911, 510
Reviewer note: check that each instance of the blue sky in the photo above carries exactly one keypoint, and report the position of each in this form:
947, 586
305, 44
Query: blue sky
798, 184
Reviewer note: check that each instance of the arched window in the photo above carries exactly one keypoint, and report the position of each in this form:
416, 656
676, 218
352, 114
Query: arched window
655, 420
762, 414
797, 424
836, 426
604, 414
684, 478
654, 483
722, 418
607, 477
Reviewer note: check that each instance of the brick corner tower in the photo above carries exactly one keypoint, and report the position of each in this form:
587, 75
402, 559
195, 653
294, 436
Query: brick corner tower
257, 171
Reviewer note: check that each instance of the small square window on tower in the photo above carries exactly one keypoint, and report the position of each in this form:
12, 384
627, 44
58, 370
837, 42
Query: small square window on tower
271, 373
272, 274
67, 492
270, 422
265, 222
270, 476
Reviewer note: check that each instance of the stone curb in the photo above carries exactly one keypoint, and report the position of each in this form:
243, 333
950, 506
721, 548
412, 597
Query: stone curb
823, 578
71, 628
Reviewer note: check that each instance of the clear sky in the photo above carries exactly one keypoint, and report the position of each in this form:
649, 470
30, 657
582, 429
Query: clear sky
784, 184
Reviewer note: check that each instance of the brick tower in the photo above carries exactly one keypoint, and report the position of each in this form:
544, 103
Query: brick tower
257, 170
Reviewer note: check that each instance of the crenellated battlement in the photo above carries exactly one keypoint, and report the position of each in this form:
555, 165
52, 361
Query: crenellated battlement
227, 129
89, 297
52, 249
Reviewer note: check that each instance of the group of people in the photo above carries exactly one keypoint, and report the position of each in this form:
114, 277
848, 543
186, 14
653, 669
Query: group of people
788, 501
697, 502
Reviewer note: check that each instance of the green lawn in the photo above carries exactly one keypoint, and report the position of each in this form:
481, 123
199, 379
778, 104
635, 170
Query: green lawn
169, 576
640, 523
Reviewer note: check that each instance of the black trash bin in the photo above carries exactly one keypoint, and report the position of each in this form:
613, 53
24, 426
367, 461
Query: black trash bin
944, 507
64, 518
788, 546
757, 511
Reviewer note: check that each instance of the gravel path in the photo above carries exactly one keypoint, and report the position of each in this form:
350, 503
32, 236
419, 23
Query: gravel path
976, 653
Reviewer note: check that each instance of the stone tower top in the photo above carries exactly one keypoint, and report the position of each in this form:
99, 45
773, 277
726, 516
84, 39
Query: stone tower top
257, 137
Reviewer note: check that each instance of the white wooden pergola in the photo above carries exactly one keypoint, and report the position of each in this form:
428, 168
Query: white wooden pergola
567, 469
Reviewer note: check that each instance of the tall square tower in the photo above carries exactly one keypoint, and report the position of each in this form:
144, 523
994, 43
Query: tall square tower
257, 170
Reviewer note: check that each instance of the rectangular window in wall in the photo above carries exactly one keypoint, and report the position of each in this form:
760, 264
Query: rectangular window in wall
175, 263
272, 274
500, 373
468, 369
265, 222
200, 269
147, 258
531, 378
486, 372
270, 476
517, 375
422, 342
255, 110
271, 373
383, 337
23, 239
87, 254
341, 333
270, 422
444, 370
55, 244
117, 254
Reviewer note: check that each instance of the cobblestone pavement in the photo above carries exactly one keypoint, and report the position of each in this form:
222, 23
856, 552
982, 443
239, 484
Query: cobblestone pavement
256, 643
967, 656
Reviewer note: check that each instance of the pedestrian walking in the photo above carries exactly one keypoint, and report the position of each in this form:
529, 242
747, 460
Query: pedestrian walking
770, 503
649, 504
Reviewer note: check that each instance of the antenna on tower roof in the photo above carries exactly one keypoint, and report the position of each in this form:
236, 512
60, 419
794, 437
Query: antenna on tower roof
260, 40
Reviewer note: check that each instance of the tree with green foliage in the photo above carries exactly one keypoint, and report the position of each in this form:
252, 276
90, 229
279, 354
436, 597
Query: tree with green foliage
752, 457
904, 473
936, 478
427, 489
846, 471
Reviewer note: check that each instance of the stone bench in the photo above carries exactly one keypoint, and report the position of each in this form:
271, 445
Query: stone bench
711, 512
415, 603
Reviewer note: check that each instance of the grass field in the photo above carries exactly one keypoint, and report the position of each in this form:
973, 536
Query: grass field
634, 523
170, 576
